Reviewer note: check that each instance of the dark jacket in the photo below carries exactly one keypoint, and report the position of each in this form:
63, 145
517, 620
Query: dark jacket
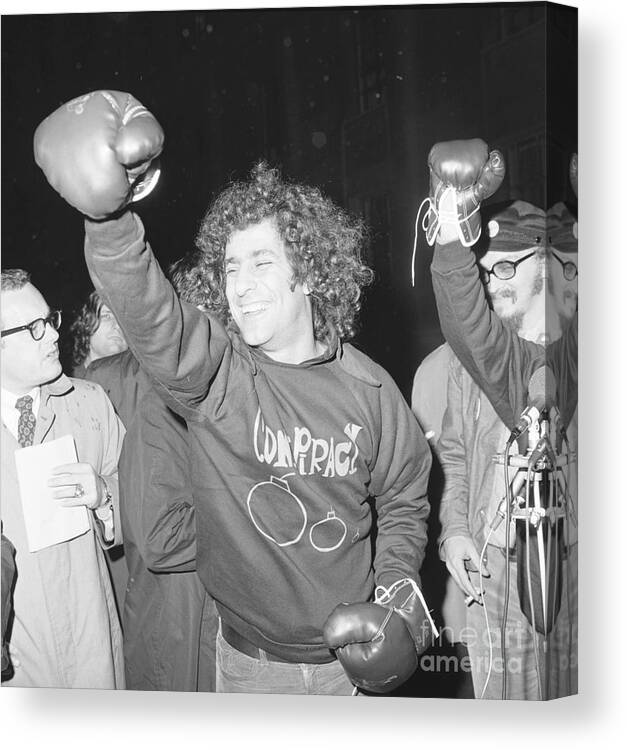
169, 620
6, 605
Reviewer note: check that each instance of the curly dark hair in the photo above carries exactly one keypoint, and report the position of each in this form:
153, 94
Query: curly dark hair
188, 279
323, 245
83, 328
185, 277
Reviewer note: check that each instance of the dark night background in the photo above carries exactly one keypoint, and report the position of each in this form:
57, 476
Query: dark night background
350, 99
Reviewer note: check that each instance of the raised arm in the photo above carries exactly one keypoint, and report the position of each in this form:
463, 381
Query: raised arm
463, 174
99, 152
498, 360
180, 347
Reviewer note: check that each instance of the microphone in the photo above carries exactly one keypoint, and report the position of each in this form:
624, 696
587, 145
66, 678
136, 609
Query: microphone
516, 486
542, 396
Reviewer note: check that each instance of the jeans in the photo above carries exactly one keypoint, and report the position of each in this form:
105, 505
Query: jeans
556, 663
238, 673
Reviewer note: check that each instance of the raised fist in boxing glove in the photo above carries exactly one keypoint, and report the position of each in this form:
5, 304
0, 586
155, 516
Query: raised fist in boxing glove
462, 174
99, 152
378, 643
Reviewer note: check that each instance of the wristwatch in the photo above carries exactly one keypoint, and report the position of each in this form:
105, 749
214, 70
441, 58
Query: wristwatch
106, 506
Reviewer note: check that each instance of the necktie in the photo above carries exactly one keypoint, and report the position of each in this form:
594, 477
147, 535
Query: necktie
26, 423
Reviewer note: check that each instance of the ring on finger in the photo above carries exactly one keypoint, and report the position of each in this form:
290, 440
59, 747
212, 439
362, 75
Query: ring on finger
79, 491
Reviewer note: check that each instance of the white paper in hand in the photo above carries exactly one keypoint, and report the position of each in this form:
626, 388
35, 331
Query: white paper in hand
46, 521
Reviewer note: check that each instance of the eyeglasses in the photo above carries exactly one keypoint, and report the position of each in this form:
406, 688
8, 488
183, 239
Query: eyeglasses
37, 328
506, 269
569, 269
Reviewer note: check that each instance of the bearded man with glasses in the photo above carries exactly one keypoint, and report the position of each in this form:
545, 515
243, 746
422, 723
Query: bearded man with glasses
63, 630
527, 260
528, 265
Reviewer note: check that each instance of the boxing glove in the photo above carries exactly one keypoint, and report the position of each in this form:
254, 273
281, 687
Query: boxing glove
99, 151
378, 643
462, 174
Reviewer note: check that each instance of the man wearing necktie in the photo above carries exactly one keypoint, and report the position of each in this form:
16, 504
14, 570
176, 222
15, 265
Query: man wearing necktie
64, 629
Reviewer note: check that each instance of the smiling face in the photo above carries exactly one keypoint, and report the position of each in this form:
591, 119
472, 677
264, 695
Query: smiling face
270, 310
27, 363
107, 339
538, 301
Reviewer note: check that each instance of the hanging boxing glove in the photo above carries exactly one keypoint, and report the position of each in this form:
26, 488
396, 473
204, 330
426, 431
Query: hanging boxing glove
378, 643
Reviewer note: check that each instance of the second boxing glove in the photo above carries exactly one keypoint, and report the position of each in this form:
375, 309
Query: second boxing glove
462, 174
378, 643
98, 151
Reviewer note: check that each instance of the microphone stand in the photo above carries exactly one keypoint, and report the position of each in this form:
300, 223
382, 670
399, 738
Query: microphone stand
537, 501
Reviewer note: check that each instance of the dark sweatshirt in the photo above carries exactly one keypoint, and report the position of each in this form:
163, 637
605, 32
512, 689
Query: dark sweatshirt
288, 461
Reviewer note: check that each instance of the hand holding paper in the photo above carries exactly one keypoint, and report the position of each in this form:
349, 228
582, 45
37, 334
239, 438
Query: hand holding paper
78, 484
47, 522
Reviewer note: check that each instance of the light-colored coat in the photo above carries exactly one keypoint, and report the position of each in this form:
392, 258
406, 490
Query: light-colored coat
66, 632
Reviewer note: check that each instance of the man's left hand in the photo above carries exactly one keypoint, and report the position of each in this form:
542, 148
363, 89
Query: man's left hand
78, 484
373, 645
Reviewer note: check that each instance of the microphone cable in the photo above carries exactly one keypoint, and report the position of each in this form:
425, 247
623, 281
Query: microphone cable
485, 614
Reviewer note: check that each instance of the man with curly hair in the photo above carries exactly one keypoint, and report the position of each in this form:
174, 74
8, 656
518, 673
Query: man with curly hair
309, 470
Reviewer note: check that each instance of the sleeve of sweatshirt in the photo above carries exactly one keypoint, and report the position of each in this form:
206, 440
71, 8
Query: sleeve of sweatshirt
499, 361
399, 486
452, 455
174, 342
